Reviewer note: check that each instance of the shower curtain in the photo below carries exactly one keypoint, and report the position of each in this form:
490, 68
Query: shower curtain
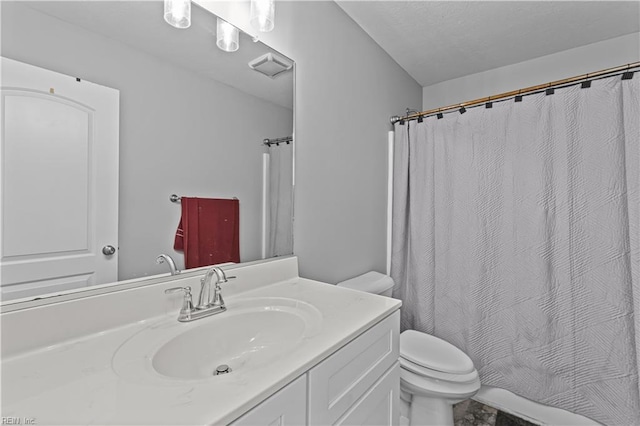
280, 241
516, 237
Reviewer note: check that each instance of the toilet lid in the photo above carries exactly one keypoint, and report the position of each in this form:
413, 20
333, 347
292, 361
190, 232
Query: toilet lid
434, 353
438, 375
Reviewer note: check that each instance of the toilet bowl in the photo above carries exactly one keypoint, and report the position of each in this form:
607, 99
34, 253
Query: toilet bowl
437, 375
434, 374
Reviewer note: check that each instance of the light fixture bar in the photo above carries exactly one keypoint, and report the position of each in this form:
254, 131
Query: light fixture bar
262, 15
177, 13
227, 36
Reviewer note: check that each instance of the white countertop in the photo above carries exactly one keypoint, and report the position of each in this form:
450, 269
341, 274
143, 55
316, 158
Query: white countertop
74, 382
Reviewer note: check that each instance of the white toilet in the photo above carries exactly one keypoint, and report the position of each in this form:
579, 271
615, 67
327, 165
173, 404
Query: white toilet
434, 374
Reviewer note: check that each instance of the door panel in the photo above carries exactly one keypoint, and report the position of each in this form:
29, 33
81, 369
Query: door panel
37, 288
47, 166
59, 170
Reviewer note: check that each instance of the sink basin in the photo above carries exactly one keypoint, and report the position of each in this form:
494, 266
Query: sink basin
252, 333
253, 337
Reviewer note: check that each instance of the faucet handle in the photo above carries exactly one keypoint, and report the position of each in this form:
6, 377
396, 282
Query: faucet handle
187, 304
221, 276
187, 290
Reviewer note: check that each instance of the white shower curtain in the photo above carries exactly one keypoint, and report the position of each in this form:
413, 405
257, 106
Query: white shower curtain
516, 237
280, 240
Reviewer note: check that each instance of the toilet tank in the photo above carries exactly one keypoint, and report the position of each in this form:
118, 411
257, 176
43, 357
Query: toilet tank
371, 282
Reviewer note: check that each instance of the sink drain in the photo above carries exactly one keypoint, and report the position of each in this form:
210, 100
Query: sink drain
222, 369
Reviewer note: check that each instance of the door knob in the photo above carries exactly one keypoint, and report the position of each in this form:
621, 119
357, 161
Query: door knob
108, 250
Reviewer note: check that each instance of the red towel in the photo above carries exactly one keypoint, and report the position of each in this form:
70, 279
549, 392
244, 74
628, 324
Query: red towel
208, 232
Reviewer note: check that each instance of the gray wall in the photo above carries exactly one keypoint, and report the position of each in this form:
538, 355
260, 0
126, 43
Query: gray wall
581, 60
347, 87
179, 133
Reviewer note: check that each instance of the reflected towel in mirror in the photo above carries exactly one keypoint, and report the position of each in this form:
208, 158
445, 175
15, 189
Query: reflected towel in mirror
208, 232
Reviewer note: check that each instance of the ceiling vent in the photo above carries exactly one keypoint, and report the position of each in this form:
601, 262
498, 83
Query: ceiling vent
270, 65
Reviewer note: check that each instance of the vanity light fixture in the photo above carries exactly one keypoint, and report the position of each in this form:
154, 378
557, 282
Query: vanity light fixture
262, 15
177, 13
227, 36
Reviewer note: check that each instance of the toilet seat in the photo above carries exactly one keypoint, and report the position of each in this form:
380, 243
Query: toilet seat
420, 385
427, 372
434, 354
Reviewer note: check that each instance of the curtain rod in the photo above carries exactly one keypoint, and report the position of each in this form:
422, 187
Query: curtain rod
269, 142
524, 91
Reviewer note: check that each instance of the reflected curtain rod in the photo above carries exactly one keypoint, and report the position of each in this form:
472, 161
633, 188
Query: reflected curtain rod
527, 90
276, 141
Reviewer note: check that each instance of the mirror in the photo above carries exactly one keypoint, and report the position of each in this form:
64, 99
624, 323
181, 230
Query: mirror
192, 122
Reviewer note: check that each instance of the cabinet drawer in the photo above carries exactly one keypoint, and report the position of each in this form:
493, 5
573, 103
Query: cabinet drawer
288, 406
343, 378
380, 405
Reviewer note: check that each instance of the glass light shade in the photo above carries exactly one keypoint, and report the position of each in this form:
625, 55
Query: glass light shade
227, 36
262, 15
178, 13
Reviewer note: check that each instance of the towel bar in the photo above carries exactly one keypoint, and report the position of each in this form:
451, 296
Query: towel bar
176, 199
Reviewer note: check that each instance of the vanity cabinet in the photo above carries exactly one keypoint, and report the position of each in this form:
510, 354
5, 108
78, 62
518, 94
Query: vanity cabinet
359, 384
379, 405
341, 380
287, 407
316, 354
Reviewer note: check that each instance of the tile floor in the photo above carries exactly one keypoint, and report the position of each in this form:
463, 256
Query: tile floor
472, 413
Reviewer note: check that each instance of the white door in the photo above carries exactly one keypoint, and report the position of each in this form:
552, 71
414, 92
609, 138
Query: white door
59, 182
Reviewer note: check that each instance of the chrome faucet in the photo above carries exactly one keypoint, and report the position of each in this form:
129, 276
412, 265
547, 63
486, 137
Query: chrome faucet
208, 298
209, 302
172, 265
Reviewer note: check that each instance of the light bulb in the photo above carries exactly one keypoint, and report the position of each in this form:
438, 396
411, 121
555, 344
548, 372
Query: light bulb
178, 13
262, 15
227, 36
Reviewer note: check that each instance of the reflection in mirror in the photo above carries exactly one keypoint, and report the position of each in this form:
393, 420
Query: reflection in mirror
182, 117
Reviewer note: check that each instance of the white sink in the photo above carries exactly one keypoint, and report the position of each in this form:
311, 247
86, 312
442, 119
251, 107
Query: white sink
252, 333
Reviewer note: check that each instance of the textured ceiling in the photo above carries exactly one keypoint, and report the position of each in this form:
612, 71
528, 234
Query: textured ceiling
140, 25
436, 41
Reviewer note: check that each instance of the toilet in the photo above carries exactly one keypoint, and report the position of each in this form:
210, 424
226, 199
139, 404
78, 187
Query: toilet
434, 374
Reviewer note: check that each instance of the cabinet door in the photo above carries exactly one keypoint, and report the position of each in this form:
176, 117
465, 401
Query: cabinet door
288, 406
379, 405
343, 378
